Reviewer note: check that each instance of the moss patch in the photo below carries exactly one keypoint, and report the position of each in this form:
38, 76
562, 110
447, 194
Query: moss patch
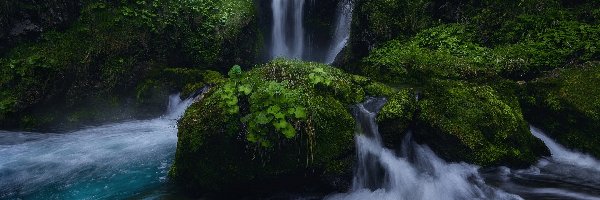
118, 49
565, 104
475, 123
218, 144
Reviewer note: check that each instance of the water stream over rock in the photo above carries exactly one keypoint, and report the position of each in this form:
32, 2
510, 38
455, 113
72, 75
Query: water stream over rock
342, 30
288, 33
417, 173
112, 161
566, 174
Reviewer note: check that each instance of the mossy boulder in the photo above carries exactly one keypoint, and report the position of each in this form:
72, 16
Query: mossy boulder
474, 123
242, 147
566, 105
446, 51
396, 116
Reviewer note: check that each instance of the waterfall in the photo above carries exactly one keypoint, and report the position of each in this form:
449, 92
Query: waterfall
113, 161
417, 174
288, 35
287, 39
342, 30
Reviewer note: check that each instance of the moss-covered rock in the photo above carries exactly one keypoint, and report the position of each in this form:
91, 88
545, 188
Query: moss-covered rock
446, 51
475, 123
396, 116
566, 104
518, 40
240, 146
117, 54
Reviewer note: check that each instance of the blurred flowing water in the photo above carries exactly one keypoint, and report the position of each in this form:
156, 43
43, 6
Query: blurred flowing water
416, 172
113, 161
288, 30
288, 33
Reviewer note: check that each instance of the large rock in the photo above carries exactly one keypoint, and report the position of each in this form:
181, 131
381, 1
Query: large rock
566, 104
397, 116
475, 123
229, 147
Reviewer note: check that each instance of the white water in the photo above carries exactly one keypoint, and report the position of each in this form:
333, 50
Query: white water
106, 162
288, 34
287, 39
342, 30
417, 174
566, 174
565, 156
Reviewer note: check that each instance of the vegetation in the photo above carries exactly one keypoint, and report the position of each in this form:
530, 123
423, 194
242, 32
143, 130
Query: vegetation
117, 47
475, 123
564, 104
279, 120
465, 76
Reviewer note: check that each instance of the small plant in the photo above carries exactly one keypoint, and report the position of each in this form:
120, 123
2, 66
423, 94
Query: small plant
319, 76
232, 89
273, 108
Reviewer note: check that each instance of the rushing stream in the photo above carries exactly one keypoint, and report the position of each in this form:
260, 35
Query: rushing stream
130, 160
417, 173
113, 161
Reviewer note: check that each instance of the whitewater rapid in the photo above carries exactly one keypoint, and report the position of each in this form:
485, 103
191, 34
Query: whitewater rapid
417, 173
113, 161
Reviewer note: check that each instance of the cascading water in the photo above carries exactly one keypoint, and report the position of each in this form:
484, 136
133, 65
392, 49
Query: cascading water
287, 39
113, 161
342, 30
417, 174
565, 175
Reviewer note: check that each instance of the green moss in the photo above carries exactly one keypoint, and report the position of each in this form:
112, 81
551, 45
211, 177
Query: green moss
121, 49
376, 89
377, 21
396, 116
446, 51
475, 123
564, 105
321, 148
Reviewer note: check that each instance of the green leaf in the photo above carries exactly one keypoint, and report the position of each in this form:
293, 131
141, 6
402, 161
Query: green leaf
235, 72
281, 124
300, 113
233, 110
262, 118
232, 101
251, 137
273, 109
327, 81
245, 89
319, 70
289, 132
279, 115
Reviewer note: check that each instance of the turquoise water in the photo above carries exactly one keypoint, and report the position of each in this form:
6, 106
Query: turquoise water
131, 160
115, 161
